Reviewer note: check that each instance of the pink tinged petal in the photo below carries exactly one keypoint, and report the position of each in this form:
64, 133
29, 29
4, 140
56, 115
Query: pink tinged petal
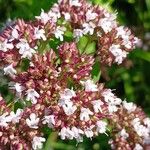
138, 147
54, 13
89, 133
75, 3
85, 114
89, 86
66, 133
50, 120
77, 33
97, 105
32, 121
37, 142
124, 134
130, 107
43, 17
5, 46
15, 34
15, 117
4, 120
39, 34
9, 70
32, 95
67, 94
67, 16
90, 15
69, 109
59, 32
89, 28
101, 126
18, 87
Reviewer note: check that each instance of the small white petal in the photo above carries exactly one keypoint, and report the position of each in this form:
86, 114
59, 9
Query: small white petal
89, 86
32, 121
32, 95
5, 46
37, 142
85, 114
9, 70
43, 17
101, 126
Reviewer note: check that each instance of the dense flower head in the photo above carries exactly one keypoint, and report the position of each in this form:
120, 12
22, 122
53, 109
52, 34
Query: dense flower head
52, 80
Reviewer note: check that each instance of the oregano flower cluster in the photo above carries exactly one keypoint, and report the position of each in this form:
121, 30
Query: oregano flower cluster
49, 62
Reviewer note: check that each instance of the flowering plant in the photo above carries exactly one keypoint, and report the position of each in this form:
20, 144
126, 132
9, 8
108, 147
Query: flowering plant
50, 65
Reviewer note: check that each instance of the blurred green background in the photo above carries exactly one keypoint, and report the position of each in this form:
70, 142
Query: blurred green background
131, 80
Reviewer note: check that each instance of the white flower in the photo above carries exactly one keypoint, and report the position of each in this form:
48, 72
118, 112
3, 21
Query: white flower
108, 95
110, 98
127, 43
101, 126
77, 33
130, 107
90, 15
97, 105
39, 34
124, 134
69, 109
15, 34
67, 16
141, 130
77, 134
22, 45
43, 17
112, 108
147, 122
9, 70
66, 133
84, 115
89, 86
118, 53
136, 122
66, 103
49, 120
24, 49
120, 31
74, 3
88, 28
5, 46
138, 147
18, 87
4, 119
125, 35
28, 53
88, 132
108, 23
67, 94
54, 13
15, 117
37, 142
32, 121
32, 95
59, 32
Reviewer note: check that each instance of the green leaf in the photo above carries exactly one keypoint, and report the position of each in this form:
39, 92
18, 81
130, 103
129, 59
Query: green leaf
51, 139
148, 4
96, 72
82, 44
90, 48
141, 54
68, 36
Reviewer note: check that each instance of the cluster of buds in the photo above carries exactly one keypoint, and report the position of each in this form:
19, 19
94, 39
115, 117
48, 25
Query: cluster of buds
53, 83
132, 128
